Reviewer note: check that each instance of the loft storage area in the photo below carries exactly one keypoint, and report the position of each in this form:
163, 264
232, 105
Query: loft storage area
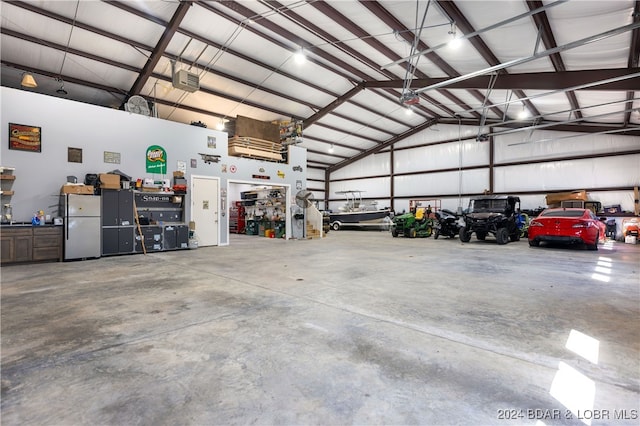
263, 140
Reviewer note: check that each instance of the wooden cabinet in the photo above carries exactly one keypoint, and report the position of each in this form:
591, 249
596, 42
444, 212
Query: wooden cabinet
47, 243
31, 244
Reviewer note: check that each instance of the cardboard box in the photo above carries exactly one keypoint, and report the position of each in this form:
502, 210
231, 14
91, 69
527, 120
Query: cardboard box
77, 189
252, 128
558, 197
109, 181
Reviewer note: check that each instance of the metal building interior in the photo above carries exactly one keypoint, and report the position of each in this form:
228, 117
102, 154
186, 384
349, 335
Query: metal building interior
358, 327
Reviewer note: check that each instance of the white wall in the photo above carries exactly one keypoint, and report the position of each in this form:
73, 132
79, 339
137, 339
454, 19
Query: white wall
553, 175
95, 130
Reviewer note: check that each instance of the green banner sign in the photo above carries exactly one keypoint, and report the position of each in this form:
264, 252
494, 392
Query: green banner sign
156, 160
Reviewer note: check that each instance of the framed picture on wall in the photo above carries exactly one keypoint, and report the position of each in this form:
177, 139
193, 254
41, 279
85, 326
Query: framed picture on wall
25, 138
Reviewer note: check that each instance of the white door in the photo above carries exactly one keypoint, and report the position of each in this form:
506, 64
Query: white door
204, 209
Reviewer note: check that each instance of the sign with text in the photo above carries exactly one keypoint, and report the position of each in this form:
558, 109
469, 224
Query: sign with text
156, 160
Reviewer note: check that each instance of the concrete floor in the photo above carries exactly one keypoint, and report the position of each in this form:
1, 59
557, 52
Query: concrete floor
356, 328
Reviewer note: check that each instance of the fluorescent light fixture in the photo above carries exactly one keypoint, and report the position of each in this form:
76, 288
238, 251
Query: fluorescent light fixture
28, 80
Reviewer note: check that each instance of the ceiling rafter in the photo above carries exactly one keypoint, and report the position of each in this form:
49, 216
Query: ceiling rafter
56, 17
349, 25
534, 81
318, 31
634, 59
542, 23
272, 27
394, 23
347, 108
247, 58
383, 145
330, 142
170, 56
161, 46
463, 23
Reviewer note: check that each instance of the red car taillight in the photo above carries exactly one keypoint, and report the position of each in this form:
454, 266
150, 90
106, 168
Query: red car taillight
535, 223
582, 225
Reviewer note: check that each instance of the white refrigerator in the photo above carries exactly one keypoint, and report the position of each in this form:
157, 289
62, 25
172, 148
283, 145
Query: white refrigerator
81, 226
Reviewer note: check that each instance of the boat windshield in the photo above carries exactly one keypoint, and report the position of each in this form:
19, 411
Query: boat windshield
354, 201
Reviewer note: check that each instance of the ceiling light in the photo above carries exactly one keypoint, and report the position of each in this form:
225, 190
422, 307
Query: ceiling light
61, 90
331, 149
408, 110
300, 57
28, 80
220, 125
524, 114
455, 41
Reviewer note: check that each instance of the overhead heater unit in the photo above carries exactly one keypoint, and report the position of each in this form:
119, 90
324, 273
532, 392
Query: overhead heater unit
183, 79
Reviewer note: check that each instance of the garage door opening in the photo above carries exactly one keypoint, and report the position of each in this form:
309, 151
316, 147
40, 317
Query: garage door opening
259, 210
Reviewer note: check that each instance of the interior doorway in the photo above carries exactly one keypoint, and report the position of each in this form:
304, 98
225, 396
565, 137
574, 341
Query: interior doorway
205, 212
259, 210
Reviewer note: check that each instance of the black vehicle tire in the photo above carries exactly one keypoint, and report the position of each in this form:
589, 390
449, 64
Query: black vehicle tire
335, 226
436, 233
534, 243
481, 235
465, 235
412, 232
515, 237
502, 236
394, 232
594, 246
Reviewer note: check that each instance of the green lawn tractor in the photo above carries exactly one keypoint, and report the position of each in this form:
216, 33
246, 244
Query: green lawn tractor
412, 226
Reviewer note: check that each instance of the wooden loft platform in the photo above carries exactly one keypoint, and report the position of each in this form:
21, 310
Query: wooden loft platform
248, 147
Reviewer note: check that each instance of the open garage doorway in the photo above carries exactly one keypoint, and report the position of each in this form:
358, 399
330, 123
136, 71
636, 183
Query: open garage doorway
256, 209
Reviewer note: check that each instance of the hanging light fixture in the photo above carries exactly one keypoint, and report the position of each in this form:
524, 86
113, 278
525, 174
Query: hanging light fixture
220, 125
455, 40
28, 80
300, 56
331, 149
524, 114
61, 90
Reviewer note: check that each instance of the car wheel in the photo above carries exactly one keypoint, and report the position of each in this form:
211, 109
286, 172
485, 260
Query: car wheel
502, 236
534, 243
465, 235
481, 236
335, 226
594, 246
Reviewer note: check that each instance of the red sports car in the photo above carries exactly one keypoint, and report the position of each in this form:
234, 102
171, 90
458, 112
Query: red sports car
567, 225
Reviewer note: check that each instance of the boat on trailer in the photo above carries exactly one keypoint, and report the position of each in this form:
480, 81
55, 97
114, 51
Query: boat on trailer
357, 214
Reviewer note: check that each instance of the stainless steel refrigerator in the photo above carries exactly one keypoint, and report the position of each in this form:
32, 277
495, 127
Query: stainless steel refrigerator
81, 226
